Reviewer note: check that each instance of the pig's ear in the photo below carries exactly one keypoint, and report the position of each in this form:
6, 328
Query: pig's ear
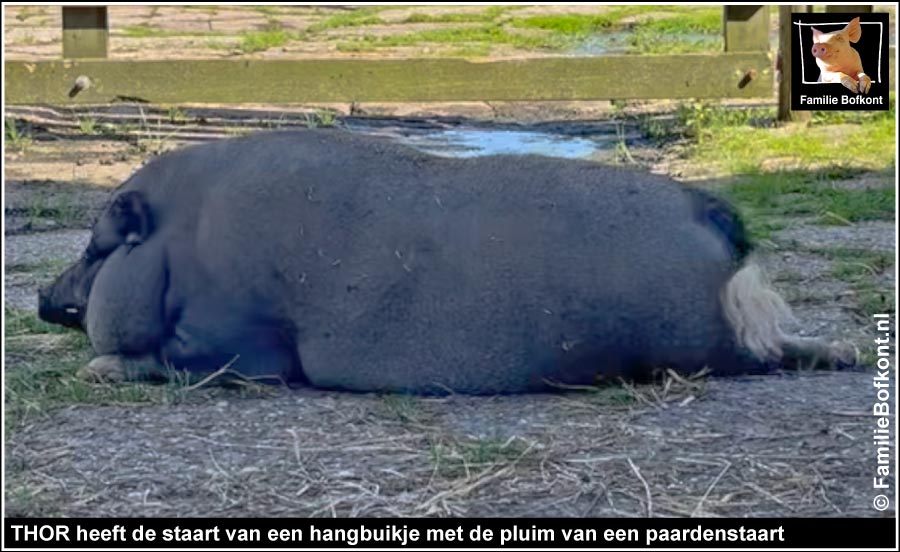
132, 216
854, 30
816, 34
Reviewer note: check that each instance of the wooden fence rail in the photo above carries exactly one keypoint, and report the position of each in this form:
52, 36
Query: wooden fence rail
745, 69
346, 80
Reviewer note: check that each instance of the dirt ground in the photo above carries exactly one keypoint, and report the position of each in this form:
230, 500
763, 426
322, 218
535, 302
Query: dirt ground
791, 444
765, 446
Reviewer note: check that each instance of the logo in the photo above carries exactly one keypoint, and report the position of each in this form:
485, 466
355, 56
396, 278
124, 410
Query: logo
840, 61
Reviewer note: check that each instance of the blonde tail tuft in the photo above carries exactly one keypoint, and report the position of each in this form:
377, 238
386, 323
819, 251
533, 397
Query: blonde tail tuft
756, 312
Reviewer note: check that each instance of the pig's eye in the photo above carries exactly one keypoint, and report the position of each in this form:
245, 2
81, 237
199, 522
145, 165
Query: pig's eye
91, 254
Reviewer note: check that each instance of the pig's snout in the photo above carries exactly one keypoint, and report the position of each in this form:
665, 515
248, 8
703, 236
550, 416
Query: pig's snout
820, 51
67, 315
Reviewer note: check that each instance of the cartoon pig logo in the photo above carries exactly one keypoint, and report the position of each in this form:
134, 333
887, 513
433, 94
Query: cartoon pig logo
838, 60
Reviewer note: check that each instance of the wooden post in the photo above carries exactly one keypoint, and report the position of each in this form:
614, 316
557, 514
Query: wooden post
785, 33
85, 31
746, 28
851, 8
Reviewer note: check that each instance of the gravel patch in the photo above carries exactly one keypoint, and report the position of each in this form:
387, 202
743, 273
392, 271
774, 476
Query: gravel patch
29, 249
880, 235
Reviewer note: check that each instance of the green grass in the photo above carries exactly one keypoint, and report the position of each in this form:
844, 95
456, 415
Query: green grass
483, 36
259, 41
176, 115
58, 207
487, 16
356, 18
788, 171
41, 364
767, 199
30, 500
707, 21
42, 270
41, 361
743, 149
463, 458
740, 141
145, 30
211, 10
612, 395
571, 24
852, 117
680, 34
695, 119
20, 322
37, 386
27, 12
848, 254
268, 11
799, 193
470, 51
868, 265
672, 30
687, 30
863, 270
321, 118
221, 45
17, 134
87, 125
404, 408
578, 24
872, 301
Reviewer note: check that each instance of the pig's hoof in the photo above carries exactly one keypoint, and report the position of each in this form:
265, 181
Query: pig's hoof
865, 83
105, 368
850, 84
843, 355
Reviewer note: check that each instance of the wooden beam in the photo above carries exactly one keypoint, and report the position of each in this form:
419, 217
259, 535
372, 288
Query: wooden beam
746, 28
849, 8
85, 31
785, 34
302, 81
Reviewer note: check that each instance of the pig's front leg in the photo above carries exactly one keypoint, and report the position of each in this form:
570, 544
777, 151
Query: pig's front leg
125, 317
843, 78
864, 82
125, 310
115, 368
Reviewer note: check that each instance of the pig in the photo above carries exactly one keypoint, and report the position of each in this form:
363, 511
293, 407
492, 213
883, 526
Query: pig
838, 60
353, 263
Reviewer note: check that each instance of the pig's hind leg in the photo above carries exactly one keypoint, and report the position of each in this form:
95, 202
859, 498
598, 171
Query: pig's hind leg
209, 339
810, 353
